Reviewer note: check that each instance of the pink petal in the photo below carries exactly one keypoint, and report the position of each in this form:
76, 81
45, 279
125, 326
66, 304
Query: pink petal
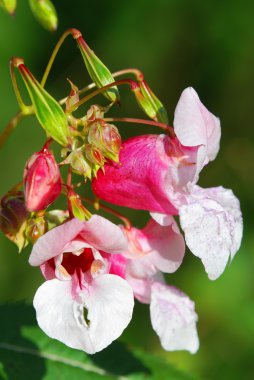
52, 243
138, 180
104, 235
156, 247
98, 232
173, 318
109, 302
212, 223
167, 245
194, 125
142, 285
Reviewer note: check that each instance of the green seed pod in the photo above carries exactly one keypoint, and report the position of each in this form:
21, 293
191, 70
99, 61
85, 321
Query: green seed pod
47, 110
98, 72
45, 12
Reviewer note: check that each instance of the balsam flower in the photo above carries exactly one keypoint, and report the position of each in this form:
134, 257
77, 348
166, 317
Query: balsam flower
159, 174
153, 250
75, 260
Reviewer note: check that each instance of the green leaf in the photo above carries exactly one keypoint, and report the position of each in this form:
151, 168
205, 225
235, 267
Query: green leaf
27, 353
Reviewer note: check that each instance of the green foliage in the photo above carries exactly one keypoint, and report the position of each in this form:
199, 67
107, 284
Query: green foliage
27, 353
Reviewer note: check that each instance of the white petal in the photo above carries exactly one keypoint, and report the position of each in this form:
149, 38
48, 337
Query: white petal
109, 301
173, 318
194, 125
162, 219
212, 223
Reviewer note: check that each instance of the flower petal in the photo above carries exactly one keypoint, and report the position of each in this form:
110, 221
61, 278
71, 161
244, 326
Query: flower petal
104, 235
109, 301
173, 318
138, 180
212, 223
167, 245
98, 232
194, 125
52, 243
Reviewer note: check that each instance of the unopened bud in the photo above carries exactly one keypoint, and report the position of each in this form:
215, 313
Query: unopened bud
94, 155
13, 217
42, 180
76, 207
98, 72
45, 12
47, 110
96, 112
73, 98
35, 228
149, 103
105, 137
79, 163
9, 5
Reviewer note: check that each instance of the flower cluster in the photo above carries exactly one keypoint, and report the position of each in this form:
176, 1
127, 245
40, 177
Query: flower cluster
94, 269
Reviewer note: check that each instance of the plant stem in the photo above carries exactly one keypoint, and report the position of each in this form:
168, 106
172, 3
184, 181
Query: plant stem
90, 86
165, 127
10, 126
53, 55
98, 205
14, 62
130, 82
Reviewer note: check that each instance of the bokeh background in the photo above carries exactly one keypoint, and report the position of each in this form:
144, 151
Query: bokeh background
176, 43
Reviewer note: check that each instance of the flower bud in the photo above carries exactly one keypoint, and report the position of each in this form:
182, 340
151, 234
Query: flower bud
42, 180
149, 103
105, 137
35, 228
98, 72
9, 5
96, 112
47, 110
94, 155
73, 98
153, 104
45, 12
79, 163
76, 207
13, 217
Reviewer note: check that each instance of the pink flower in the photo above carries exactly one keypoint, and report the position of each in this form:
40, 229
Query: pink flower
159, 174
75, 259
42, 180
151, 250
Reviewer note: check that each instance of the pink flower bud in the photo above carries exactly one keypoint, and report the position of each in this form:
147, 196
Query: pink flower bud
42, 180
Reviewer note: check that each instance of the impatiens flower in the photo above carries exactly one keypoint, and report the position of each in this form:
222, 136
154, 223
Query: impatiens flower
151, 250
159, 174
82, 304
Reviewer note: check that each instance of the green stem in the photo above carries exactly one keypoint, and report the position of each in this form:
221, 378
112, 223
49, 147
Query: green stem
54, 53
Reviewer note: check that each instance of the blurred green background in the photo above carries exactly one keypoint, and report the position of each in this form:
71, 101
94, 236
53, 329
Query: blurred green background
176, 43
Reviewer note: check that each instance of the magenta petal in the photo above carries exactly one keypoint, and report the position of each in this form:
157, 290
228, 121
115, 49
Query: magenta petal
138, 180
